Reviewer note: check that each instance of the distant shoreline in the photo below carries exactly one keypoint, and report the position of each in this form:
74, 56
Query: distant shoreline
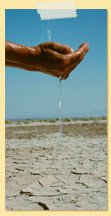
54, 120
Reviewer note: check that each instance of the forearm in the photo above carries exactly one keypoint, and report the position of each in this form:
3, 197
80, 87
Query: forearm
18, 55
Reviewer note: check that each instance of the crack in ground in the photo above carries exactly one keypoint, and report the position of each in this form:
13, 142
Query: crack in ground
103, 180
83, 184
43, 205
79, 173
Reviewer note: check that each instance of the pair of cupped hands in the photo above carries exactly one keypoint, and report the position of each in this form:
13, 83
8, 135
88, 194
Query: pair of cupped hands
51, 58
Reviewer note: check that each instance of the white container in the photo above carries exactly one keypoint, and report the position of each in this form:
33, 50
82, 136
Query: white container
57, 10
46, 14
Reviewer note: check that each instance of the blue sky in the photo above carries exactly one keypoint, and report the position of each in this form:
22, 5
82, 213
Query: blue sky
36, 95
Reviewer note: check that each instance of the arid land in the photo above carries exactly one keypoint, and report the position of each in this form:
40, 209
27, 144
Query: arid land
47, 171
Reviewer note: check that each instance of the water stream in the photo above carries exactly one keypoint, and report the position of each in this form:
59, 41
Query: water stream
49, 32
60, 110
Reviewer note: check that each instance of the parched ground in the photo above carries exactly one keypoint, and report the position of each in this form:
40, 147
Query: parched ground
47, 172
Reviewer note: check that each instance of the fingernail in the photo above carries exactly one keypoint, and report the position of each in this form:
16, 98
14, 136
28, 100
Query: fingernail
72, 50
78, 52
69, 55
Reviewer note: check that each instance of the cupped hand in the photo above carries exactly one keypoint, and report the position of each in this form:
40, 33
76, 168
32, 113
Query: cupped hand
50, 58
56, 59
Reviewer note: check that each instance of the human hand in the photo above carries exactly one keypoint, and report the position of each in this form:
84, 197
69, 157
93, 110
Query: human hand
56, 59
50, 58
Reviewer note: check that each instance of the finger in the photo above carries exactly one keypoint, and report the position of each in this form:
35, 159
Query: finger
71, 67
63, 49
79, 53
77, 60
83, 49
56, 57
60, 48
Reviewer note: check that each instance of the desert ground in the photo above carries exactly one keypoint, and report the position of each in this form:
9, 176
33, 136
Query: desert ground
47, 171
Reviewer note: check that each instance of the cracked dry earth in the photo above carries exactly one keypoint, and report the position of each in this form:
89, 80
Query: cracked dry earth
43, 174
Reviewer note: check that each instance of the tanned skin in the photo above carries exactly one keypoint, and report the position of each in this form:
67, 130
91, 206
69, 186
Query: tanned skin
50, 58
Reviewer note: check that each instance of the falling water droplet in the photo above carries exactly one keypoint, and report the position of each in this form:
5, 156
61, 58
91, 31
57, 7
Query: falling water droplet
49, 32
60, 110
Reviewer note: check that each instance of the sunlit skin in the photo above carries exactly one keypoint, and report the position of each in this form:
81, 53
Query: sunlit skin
50, 58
